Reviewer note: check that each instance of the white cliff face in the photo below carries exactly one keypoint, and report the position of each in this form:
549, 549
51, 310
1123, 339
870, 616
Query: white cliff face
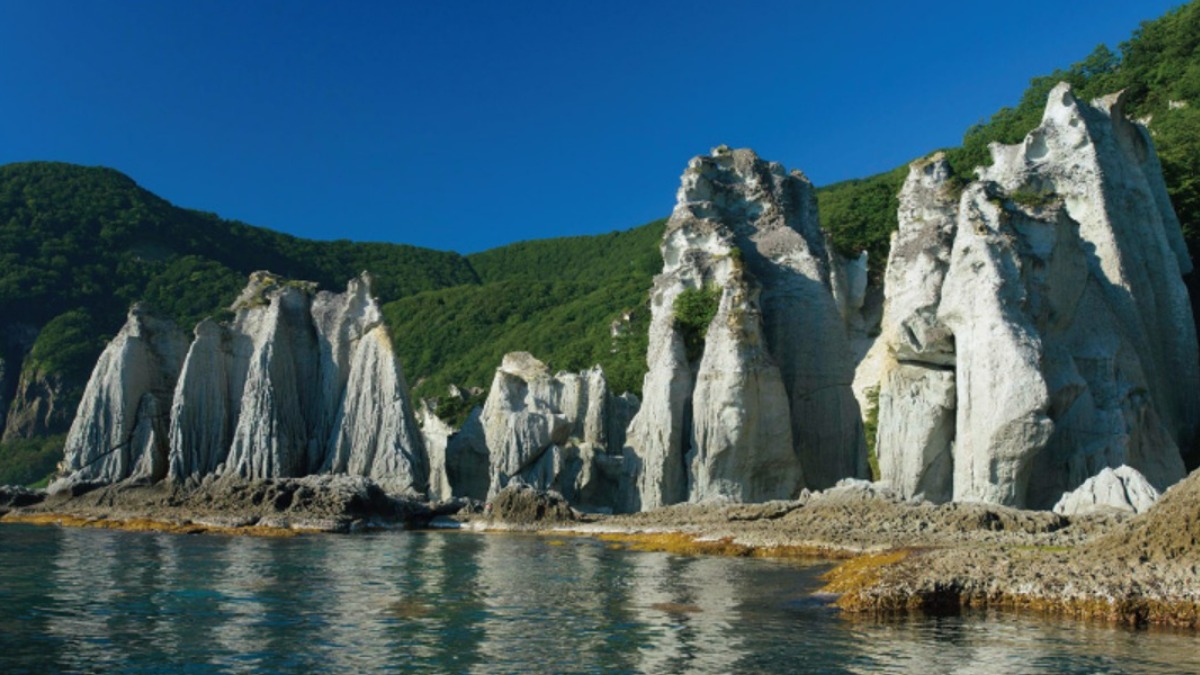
553, 432
435, 434
1122, 489
278, 409
917, 393
765, 406
299, 383
1037, 327
120, 429
207, 401
375, 433
323, 390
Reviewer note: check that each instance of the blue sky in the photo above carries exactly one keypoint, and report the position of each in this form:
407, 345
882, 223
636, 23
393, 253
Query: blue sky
465, 125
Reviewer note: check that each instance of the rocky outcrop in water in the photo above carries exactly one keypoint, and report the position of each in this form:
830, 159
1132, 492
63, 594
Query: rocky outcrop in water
298, 383
519, 504
555, 432
748, 393
1037, 326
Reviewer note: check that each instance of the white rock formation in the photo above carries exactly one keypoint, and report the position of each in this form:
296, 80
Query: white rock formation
1122, 489
435, 435
1037, 325
207, 400
458, 459
298, 383
757, 404
120, 429
375, 433
279, 409
916, 373
554, 432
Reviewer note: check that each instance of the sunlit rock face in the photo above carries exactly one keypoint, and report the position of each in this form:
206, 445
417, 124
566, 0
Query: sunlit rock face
755, 404
1037, 326
120, 429
298, 383
1122, 490
560, 432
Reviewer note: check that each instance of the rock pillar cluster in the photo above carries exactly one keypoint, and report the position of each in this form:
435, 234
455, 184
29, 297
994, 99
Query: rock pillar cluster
298, 383
748, 393
1037, 327
551, 431
1035, 336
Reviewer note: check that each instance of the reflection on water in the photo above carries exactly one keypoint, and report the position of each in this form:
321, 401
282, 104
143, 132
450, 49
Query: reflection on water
96, 600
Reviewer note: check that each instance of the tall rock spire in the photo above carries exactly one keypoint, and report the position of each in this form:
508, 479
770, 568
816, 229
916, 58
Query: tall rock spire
748, 393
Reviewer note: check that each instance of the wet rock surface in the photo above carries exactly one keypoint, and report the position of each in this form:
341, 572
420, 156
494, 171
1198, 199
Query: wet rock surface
1130, 570
525, 505
15, 496
321, 502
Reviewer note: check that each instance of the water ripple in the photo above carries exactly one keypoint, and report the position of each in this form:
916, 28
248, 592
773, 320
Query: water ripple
78, 600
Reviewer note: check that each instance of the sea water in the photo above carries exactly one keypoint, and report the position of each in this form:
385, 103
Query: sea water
88, 600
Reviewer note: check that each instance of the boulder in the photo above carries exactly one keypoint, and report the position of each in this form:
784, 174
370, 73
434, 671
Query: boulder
519, 504
1123, 489
754, 402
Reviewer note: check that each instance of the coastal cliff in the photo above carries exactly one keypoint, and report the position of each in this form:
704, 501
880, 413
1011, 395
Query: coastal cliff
1035, 332
298, 383
748, 394
1037, 326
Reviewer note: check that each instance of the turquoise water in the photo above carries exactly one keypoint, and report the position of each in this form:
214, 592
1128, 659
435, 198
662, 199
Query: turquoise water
96, 600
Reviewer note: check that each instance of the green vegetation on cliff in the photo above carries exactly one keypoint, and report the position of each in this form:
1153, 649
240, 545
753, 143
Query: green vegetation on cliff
1159, 69
693, 311
560, 299
79, 245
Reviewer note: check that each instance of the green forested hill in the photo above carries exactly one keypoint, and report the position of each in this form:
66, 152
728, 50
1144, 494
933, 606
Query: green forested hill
556, 298
77, 237
1159, 65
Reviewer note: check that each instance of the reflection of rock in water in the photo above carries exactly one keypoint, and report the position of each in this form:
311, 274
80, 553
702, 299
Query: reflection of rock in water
242, 589
80, 563
999, 643
166, 579
563, 595
676, 608
685, 602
